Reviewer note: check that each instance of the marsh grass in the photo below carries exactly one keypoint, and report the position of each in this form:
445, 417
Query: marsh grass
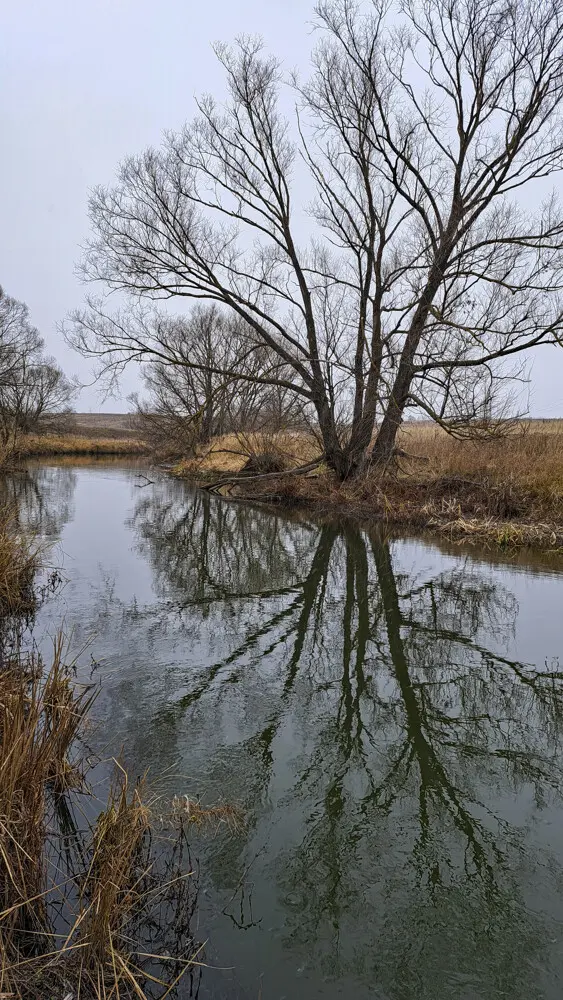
130, 890
83, 909
46, 445
19, 561
207, 816
527, 462
507, 490
40, 717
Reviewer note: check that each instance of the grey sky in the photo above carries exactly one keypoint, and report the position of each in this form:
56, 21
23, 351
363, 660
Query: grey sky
85, 82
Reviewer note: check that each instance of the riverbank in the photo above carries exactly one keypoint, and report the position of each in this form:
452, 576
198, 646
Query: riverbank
506, 492
48, 445
81, 434
477, 510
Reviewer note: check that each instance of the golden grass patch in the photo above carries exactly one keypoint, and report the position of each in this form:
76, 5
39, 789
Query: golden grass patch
528, 460
229, 453
44, 445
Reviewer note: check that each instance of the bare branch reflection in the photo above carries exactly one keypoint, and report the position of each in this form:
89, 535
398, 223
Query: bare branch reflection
41, 497
410, 730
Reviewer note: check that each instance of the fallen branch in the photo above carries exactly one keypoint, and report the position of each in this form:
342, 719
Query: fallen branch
234, 480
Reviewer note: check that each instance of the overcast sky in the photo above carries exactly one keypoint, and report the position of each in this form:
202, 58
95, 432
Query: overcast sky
85, 82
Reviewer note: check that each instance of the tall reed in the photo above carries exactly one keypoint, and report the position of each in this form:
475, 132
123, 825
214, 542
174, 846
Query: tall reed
79, 905
19, 561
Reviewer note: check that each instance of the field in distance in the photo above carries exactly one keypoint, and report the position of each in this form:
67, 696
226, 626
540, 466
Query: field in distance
106, 425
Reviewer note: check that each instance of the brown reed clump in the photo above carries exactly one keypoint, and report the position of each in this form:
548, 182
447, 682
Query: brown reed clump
215, 816
130, 893
80, 911
19, 560
40, 718
112, 886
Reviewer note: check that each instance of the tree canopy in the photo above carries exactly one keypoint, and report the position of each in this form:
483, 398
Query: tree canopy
418, 273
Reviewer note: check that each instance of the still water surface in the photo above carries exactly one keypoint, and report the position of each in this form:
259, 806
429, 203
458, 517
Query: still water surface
389, 715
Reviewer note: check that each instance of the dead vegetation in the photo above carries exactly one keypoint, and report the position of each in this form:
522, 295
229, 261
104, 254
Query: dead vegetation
40, 717
526, 465
207, 816
45, 445
83, 909
19, 556
507, 490
250, 452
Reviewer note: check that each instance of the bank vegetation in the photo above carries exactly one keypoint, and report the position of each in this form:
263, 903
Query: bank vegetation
19, 560
97, 894
49, 444
506, 490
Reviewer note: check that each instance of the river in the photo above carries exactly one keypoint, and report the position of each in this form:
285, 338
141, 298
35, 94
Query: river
387, 713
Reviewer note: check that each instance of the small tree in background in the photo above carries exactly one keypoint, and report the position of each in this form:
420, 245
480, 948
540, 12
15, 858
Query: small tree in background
32, 386
212, 377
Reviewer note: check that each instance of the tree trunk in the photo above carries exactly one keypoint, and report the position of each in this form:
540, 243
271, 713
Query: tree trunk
353, 459
334, 454
207, 422
384, 446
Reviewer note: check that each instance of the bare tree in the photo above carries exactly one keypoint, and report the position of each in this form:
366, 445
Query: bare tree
208, 380
32, 386
424, 131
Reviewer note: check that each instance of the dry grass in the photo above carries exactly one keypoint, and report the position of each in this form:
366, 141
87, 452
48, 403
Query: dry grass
229, 453
40, 717
529, 461
215, 816
532, 454
76, 911
507, 491
111, 894
19, 558
44, 445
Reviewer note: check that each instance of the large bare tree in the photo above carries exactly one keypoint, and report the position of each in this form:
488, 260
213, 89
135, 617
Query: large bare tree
413, 269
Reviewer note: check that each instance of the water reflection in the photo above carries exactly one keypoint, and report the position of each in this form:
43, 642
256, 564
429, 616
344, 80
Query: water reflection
41, 497
40, 504
207, 550
406, 733
398, 764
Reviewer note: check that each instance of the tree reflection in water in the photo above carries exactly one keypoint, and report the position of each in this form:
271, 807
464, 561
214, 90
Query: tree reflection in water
41, 497
39, 501
402, 733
